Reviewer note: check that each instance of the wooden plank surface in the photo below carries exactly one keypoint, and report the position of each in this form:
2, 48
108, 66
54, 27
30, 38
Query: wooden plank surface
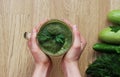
18, 16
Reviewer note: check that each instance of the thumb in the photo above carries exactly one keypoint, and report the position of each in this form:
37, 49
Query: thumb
33, 39
76, 36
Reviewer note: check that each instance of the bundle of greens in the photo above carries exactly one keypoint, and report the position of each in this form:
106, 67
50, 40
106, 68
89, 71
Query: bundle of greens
106, 65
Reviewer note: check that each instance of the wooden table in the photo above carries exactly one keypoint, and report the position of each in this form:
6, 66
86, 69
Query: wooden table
18, 16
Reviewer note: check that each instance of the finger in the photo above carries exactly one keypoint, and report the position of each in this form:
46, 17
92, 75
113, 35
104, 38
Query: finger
34, 45
33, 39
29, 44
40, 24
76, 34
75, 49
83, 42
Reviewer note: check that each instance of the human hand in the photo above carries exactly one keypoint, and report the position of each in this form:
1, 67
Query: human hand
79, 44
42, 62
70, 59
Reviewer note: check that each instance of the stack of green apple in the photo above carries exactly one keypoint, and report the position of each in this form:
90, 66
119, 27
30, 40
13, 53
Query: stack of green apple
108, 63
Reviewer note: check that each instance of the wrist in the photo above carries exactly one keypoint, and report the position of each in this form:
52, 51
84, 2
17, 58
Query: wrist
67, 61
42, 70
43, 64
71, 69
66, 64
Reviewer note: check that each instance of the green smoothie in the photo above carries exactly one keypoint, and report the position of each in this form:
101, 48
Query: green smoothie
55, 37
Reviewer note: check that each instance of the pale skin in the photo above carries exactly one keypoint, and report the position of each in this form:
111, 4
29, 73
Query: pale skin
43, 63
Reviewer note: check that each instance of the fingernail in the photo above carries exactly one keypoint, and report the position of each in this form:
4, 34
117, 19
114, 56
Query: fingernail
33, 30
75, 27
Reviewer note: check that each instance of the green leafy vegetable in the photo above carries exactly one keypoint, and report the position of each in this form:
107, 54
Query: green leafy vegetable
59, 38
115, 28
106, 65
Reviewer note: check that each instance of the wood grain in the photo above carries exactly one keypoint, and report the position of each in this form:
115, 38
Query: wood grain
18, 16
